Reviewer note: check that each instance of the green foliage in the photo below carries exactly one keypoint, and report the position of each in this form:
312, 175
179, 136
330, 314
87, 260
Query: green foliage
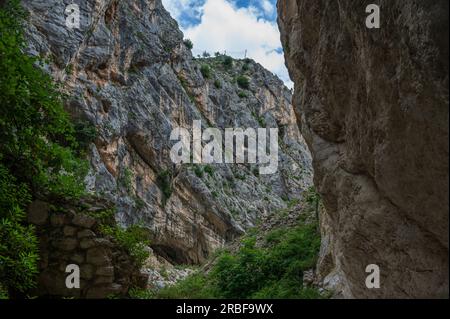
137, 293
261, 272
38, 139
206, 71
18, 243
104, 217
185, 86
139, 202
261, 120
206, 54
69, 69
313, 198
242, 94
293, 202
164, 181
38, 149
243, 82
209, 170
188, 43
196, 286
126, 179
133, 239
274, 270
85, 133
245, 67
227, 62
3, 293
198, 170
218, 84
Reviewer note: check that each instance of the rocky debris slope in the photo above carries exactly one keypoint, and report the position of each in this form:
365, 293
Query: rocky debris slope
373, 107
131, 76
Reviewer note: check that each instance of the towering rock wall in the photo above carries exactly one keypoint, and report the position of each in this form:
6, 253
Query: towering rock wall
130, 75
373, 107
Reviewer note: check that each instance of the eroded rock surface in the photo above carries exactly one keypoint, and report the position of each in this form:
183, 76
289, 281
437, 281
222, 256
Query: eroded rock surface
373, 108
132, 77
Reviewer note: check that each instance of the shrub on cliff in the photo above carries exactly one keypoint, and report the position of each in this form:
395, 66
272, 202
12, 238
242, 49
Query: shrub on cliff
206, 71
164, 181
188, 43
227, 62
37, 150
218, 84
243, 82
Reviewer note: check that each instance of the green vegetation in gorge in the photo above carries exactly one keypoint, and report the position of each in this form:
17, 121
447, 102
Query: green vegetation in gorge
267, 264
38, 152
273, 270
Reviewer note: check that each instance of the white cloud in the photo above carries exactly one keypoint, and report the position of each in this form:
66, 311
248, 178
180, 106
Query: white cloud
224, 27
267, 7
185, 10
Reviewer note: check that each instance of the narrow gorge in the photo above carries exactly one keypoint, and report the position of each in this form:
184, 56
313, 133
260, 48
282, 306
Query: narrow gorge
361, 178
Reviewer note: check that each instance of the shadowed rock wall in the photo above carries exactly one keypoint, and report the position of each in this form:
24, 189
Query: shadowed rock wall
373, 107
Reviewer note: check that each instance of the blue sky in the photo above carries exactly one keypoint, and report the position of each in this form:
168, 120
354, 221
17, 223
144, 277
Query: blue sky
234, 26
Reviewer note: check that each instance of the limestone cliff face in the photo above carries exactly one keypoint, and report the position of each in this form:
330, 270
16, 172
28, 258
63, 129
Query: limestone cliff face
373, 107
129, 74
